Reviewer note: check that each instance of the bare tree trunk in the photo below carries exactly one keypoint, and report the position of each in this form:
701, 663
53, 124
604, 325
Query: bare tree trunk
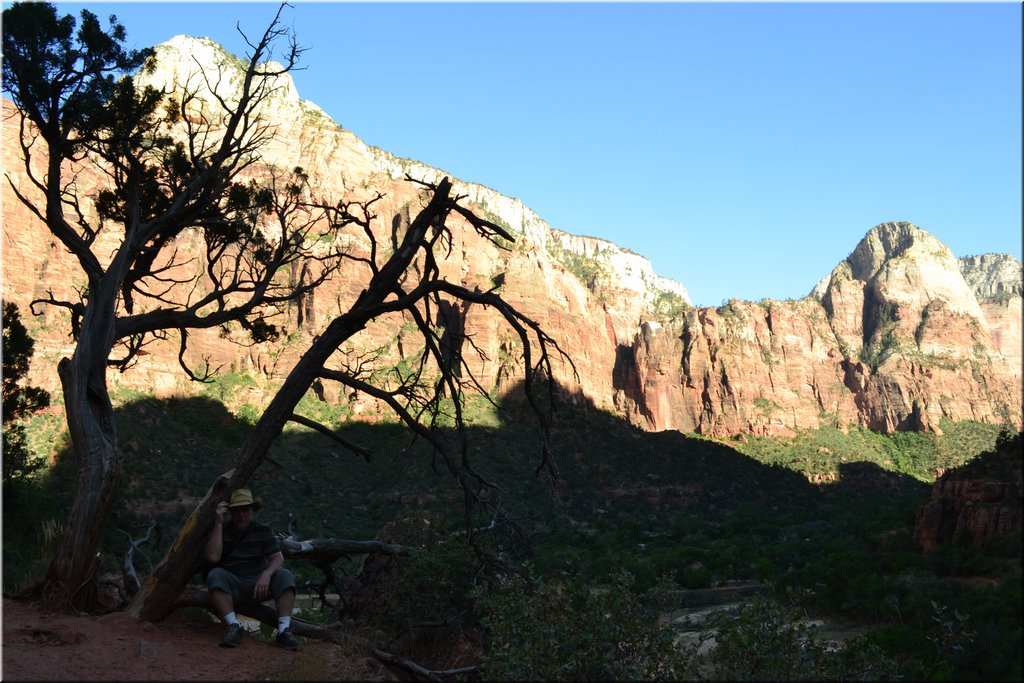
71, 579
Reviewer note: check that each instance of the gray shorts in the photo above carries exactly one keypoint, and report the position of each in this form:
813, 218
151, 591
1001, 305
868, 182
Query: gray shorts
240, 588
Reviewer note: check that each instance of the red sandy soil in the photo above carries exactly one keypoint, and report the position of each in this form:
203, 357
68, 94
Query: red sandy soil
111, 647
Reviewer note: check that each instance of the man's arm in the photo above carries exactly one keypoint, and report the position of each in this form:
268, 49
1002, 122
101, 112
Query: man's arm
214, 545
262, 588
274, 562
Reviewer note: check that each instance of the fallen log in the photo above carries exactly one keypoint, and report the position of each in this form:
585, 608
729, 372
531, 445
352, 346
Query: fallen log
419, 671
265, 613
323, 552
319, 549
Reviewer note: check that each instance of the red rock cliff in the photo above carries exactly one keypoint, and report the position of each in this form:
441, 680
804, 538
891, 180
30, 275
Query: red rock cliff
900, 335
895, 338
975, 503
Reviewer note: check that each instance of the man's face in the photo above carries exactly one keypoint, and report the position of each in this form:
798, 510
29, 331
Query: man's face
240, 517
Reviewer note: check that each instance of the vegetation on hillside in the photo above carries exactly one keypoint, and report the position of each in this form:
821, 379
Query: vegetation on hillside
636, 523
592, 271
922, 455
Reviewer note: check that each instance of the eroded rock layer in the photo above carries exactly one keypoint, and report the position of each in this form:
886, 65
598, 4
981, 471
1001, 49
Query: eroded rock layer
900, 335
974, 504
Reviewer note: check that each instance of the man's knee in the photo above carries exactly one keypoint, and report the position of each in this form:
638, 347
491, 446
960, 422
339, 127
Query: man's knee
220, 580
281, 581
216, 577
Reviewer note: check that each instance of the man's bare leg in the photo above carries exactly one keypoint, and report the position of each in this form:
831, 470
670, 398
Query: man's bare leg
224, 607
285, 603
222, 603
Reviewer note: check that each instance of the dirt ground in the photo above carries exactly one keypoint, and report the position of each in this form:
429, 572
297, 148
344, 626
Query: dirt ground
183, 647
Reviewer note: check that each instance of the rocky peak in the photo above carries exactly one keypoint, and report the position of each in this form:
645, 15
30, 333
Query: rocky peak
902, 266
182, 61
888, 241
894, 338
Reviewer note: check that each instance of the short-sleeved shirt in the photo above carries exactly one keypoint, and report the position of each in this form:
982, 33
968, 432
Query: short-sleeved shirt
246, 555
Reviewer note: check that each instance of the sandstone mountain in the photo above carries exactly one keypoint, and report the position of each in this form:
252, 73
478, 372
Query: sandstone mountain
899, 336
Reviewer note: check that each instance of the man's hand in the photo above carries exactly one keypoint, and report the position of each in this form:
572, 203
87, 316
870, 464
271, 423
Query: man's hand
262, 589
221, 512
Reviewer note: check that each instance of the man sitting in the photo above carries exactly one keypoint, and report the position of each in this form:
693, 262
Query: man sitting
247, 567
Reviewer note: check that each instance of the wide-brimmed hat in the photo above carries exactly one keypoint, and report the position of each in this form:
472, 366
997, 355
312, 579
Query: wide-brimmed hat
241, 498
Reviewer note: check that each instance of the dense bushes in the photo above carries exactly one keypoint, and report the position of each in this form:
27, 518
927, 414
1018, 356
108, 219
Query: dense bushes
765, 641
19, 400
563, 630
632, 511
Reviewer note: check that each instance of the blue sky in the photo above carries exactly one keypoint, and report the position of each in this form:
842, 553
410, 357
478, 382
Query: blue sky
744, 148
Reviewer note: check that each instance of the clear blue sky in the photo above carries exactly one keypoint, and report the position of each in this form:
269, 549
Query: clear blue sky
744, 148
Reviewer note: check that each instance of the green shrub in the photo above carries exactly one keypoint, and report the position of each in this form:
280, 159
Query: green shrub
765, 405
561, 630
19, 401
227, 387
668, 305
764, 641
248, 413
435, 578
589, 270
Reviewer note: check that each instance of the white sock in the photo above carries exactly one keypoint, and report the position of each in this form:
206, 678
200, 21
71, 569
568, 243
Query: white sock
230, 618
283, 623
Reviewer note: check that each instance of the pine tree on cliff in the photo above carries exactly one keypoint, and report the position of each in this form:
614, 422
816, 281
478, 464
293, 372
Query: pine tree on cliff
172, 163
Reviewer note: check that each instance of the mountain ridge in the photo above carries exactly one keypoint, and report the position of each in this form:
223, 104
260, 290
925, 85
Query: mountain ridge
177, 63
894, 338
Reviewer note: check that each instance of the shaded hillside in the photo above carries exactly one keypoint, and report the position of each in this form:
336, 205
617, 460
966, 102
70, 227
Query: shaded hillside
657, 505
614, 482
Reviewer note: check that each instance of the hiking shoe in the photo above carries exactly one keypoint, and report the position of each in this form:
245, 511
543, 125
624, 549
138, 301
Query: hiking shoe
233, 636
287, 640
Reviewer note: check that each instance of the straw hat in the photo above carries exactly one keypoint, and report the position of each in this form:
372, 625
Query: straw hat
241, 498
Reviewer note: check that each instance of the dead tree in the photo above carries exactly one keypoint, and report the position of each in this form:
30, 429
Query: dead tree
324, 552
129, 575
395, 288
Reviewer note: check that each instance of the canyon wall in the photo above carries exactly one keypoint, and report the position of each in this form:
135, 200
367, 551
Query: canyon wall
975, 504
900, 335
895, 338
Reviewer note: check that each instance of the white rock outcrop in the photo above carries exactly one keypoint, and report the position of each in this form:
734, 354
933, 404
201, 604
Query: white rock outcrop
993, 276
